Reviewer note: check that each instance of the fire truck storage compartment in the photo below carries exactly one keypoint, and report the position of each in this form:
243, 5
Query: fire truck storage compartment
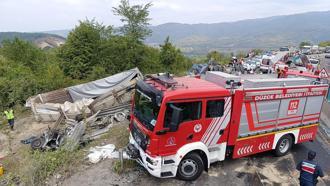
275, 82
220, 78
265, 110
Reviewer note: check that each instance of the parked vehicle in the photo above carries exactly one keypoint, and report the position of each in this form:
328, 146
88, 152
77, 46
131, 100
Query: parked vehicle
306, 50
327, 49
258, 60
179, 126
282, 49
322, 50
315, 63
300, 61
315, 49
327, 56
268, 61
198, 69
250, 65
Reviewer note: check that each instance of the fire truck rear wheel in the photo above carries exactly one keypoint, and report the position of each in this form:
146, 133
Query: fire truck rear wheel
190, 167
283, 145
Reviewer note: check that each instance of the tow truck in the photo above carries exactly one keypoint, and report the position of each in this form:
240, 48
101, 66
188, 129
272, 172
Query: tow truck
180, 125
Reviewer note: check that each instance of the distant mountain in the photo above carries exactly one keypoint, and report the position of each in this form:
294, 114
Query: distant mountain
42, 40
271, 32
63, 33
264, 33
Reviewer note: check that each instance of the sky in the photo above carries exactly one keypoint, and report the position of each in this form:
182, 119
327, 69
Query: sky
45, 15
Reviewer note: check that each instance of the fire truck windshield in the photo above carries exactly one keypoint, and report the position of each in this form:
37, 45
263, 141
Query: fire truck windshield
145, 110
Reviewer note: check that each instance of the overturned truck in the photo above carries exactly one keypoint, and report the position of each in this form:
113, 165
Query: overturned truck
93, 105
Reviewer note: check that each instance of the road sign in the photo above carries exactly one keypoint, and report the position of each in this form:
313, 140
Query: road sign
324, 73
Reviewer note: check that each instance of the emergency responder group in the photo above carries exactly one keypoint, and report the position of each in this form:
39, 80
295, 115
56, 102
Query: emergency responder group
10, 118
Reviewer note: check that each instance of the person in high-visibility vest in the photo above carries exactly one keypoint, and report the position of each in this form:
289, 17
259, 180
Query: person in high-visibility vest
1, 170
10, 117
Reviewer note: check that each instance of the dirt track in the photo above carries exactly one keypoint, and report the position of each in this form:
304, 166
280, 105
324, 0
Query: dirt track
10, 141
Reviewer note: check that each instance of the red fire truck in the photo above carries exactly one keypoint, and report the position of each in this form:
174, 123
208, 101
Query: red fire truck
180, 125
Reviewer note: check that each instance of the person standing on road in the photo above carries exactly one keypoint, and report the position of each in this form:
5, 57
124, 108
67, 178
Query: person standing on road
309, 170
10, 117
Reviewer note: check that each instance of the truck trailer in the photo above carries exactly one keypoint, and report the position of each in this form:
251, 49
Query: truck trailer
180, 125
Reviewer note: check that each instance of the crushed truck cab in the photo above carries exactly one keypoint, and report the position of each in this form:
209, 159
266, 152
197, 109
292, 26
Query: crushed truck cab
179, 126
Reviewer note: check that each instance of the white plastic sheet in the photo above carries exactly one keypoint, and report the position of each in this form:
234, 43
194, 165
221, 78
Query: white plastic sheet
99, 153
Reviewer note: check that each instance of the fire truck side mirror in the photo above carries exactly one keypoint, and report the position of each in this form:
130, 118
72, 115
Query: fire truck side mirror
176, 117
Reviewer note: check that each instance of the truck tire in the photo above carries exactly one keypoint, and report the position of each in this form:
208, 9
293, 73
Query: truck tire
190, 167
283, 145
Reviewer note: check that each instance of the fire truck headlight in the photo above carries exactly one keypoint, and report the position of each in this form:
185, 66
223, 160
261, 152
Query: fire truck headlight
148, 141
154, 162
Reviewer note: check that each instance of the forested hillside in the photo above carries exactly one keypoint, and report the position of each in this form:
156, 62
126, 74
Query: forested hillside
92, 51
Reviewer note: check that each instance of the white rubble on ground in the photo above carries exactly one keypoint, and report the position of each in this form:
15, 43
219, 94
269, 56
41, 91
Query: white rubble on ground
99, 153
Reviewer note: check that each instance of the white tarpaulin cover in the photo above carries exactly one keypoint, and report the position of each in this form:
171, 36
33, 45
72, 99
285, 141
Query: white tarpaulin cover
99, 87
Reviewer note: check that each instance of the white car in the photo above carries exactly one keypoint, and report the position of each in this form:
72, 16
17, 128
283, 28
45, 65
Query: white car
258, 60
314, 63
250, 65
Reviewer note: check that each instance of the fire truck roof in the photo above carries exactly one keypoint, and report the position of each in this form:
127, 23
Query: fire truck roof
189, 87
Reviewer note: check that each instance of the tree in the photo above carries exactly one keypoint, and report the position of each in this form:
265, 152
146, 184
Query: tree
26, 70
214, 55
305, 43
240, 54
171, 58
135, 18
121, 53
22, 52
324, 43
257, 51
80, 53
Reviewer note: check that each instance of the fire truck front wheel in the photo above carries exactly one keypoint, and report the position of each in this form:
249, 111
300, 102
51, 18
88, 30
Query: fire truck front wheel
283, 145
190, 167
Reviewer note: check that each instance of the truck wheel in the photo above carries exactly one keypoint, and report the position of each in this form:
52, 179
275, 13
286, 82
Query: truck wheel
191, 167
283, 145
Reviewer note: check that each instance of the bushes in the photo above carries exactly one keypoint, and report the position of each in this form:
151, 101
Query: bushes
24, 75
45, 164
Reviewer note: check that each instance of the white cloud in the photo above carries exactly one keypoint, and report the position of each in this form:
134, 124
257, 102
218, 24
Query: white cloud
38, 15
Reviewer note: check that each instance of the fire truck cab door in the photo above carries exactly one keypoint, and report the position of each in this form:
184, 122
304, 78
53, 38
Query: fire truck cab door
188, 128
217, 118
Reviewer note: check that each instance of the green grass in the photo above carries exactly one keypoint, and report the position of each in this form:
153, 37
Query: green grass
34, 167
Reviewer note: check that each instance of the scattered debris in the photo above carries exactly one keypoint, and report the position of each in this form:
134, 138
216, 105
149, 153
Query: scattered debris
85, 98
83, 112
102, 152
29, 140
50, 139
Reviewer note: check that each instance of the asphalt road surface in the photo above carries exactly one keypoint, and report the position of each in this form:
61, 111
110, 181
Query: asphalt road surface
261, 169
